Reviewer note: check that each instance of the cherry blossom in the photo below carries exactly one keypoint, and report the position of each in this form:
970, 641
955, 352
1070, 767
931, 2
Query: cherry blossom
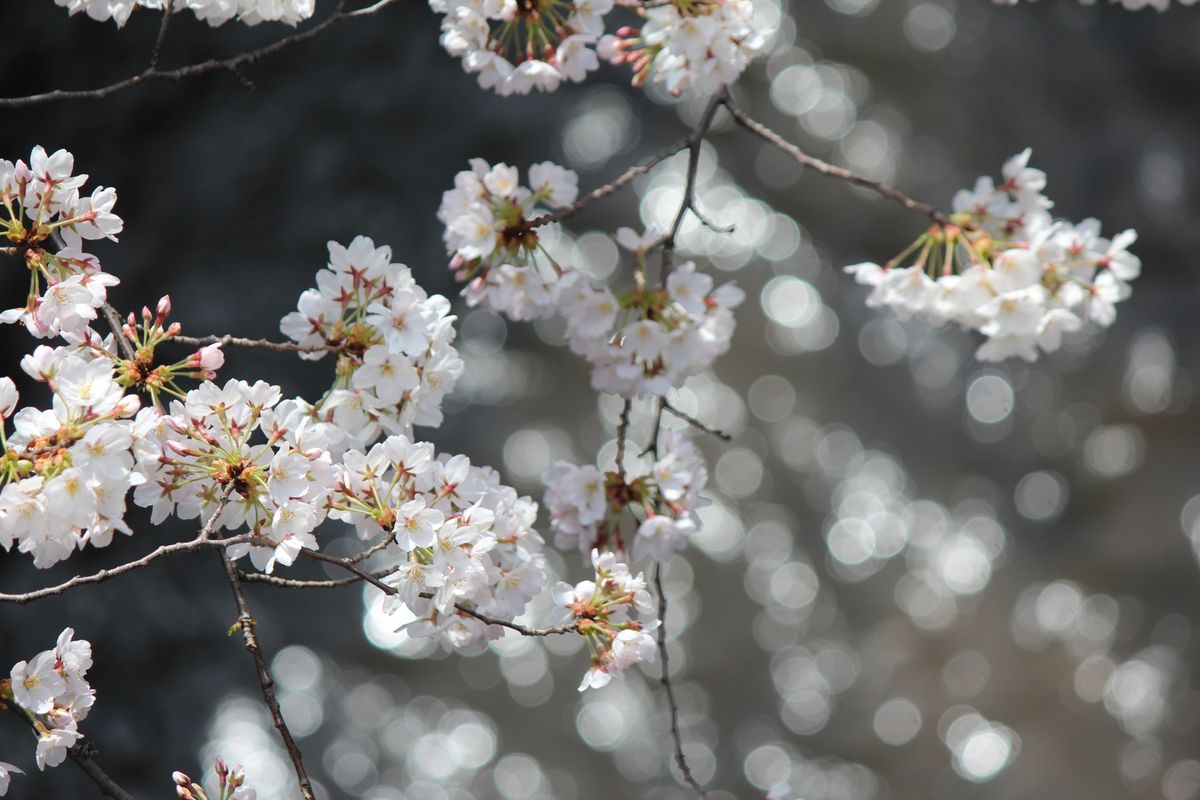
615, 613
1003, 266
52, 690
214, 12
395, 357
46, 220
493, 248
591, 510
648, 341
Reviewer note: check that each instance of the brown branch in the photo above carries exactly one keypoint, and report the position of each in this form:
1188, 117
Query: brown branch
375, 580
623, 436
247, 623
83, 753
688, 203
695, 423
298, 583
233, 64
113, 318
825, 168
608, 188
201, 542
676, 736
156, 51
265, 344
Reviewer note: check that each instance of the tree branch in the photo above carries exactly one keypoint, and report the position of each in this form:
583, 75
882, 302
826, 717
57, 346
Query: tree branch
267, 684
375, 580
608, 188
83, 753
825, 168
676, 736
201, 542
233, 64
156, 51
265, 344
695, 423
695, 141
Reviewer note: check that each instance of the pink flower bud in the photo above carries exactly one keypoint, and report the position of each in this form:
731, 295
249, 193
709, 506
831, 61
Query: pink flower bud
164, 306
181, 779
209, 357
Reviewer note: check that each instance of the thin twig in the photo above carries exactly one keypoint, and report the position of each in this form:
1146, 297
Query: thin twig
608, 188
156, 51
652, 447
688, 203
265, 344
697, 424
201, 542
233, 64
825, 168
265, 682
299, 583
375, 580
676, 736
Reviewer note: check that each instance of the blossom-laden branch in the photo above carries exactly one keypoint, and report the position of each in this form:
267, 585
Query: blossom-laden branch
233, 64
202, 541
83, 753
246, 623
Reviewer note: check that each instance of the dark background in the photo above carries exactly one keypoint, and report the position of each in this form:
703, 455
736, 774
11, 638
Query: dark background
229, 196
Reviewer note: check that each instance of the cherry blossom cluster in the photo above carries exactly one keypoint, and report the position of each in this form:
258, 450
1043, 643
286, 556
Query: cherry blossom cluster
648, 340
604, 612
688, 45
515, 46
214, 12
238, 442
231, 784
396, 360
460, 543
66, 469
45, 219
493, 247
1132, 5
51, 689
590, 509
1003, 266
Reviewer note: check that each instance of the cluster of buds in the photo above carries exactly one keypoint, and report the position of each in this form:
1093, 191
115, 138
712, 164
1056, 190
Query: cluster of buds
493, 247
44, 219
214, 12
52, 691
591, 510
688, 45
231, 784
514, 46
1003, 266
141, 374
396, 361
603, 611
66, 470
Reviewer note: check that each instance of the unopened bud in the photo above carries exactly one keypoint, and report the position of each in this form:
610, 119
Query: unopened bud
164, 306
181, 779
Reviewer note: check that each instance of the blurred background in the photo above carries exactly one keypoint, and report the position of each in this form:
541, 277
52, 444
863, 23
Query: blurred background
920, 576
